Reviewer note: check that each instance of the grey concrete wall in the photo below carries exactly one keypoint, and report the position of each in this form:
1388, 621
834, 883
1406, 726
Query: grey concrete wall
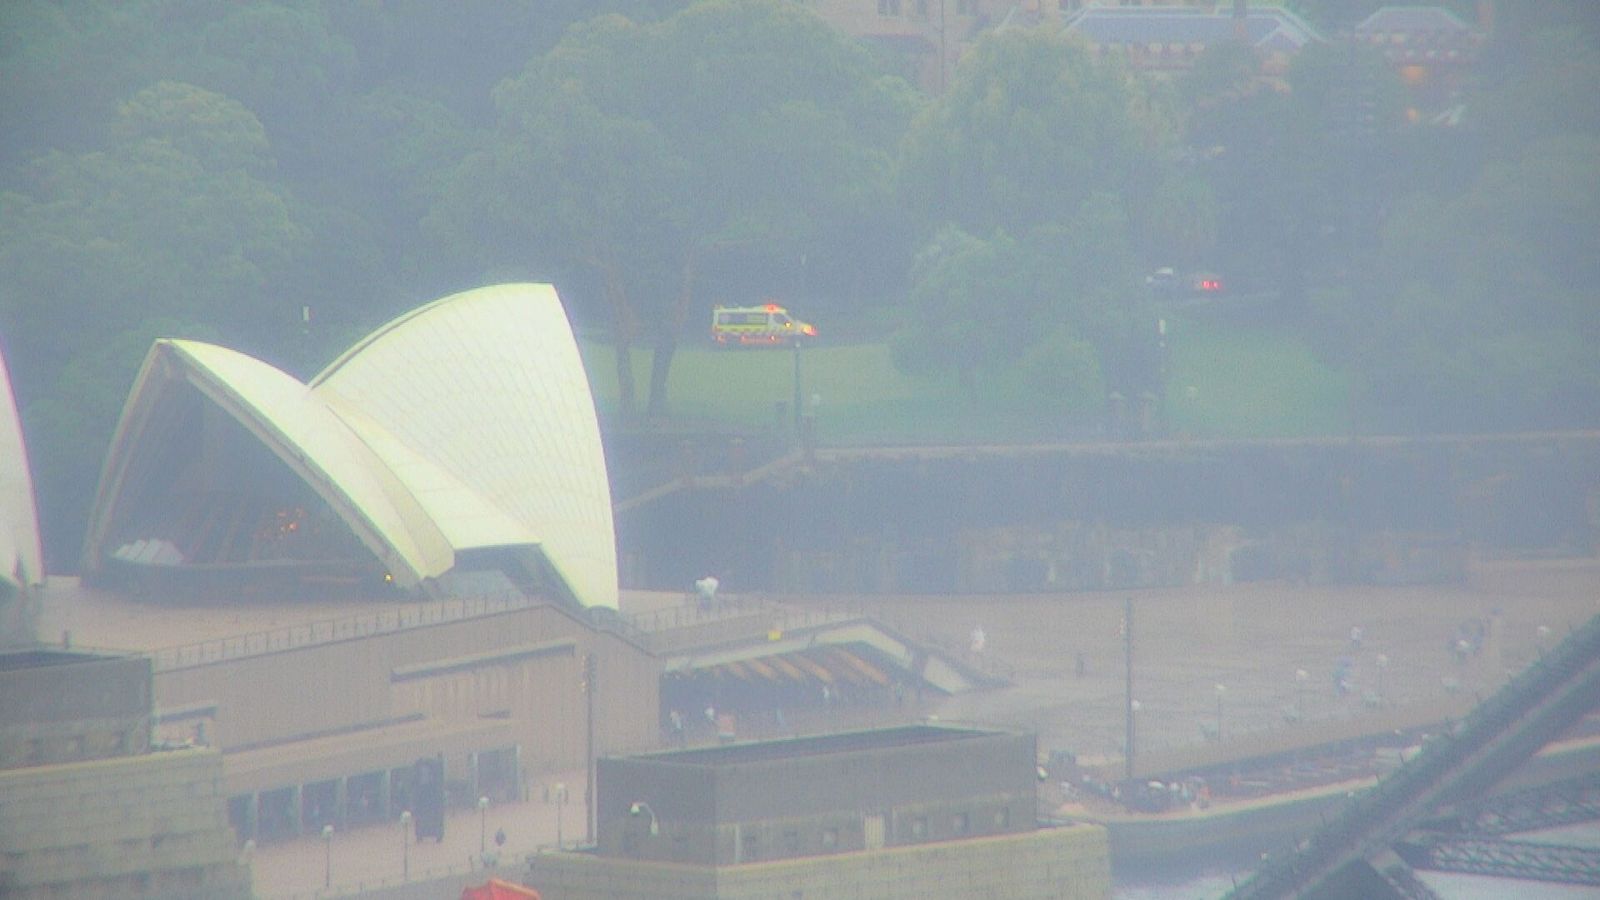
1047, 864
814, 803
58, 707
134, 826
337, 686
885, 519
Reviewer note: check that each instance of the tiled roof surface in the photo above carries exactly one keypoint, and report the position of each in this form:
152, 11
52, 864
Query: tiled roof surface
1185, 25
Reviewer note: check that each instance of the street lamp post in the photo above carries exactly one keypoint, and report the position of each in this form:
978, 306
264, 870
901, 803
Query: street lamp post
483, 826
561, 800
1301, 676
327, 840
797, 407
590, 667
1221, 689
1132, 705
405, 845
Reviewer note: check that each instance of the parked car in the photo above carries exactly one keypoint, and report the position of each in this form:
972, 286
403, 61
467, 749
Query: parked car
1166, 280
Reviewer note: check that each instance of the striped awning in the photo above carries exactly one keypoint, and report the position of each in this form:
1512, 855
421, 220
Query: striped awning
832, 664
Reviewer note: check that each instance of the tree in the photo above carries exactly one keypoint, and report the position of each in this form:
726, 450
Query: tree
649, 153
64, 67
1479, 312
1545, 89
173, 221
1301, 178
1030, 127
1076, 160
967, 302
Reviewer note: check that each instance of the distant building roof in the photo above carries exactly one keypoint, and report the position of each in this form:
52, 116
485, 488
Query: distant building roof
1393, 19
1152, 25
1423, 35
818, 745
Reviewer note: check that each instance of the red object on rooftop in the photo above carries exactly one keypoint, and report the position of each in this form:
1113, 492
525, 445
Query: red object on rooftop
499, 890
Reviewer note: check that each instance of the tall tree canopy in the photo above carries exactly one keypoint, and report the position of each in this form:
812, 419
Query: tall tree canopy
174, 222
649, 152
1066, 165
1480, 313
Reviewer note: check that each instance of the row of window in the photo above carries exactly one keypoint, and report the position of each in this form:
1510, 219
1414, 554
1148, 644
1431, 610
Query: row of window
925, 8
961, 823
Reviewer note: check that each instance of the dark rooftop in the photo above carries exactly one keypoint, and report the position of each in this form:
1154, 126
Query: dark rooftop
847, 742
17, 660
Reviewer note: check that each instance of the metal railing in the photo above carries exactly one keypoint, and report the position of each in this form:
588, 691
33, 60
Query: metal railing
1537, 704
310, 634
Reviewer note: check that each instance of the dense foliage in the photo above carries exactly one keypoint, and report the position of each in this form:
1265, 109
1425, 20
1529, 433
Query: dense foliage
282, 175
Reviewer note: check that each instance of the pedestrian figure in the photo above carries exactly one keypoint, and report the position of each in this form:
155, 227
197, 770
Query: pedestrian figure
706, 590
1355, 637
978, 639
1080, 667
1341, 676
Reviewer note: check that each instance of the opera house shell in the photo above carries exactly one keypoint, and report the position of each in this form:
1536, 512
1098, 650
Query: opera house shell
453, 451
21, 557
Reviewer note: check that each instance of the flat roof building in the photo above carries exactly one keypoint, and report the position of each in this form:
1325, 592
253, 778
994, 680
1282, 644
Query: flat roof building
87, 808
807, 796
905, 812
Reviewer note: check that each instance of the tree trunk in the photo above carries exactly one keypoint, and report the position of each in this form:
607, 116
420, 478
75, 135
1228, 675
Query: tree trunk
667, 339
660, 368
621, 339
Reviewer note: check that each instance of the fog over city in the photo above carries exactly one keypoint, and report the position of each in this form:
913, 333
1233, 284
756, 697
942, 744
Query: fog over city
799, 448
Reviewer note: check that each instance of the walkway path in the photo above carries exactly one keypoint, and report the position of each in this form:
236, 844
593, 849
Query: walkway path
383, 854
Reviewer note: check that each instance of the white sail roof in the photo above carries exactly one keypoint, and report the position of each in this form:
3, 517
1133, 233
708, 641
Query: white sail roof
21, 557
467, 423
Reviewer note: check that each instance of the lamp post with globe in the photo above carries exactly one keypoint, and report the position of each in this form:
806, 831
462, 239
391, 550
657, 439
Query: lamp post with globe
483, 825
405, 845
327, 871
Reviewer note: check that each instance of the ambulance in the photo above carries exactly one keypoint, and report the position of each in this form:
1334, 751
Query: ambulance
767, 325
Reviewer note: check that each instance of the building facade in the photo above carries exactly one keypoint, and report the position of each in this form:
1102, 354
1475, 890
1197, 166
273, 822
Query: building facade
911, 811
87, 808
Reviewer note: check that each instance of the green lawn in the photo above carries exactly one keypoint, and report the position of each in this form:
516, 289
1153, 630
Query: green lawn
1226, 381
1229, 380
859, 395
